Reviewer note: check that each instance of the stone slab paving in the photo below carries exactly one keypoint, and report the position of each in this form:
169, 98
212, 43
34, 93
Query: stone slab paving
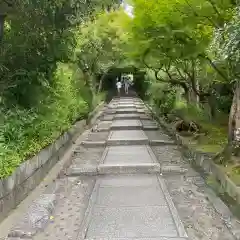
129, 155
157, 135
127, 116
70, 211
97, 136
126, 110
132, 116
137, 208
106, 117
203, 214
129, 199
127, 135
104, 125
83, 155
126, 105
126, 124
161, 238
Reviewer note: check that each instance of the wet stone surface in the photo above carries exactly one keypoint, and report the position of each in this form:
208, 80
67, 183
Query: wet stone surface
198, 215
127, 134
70, 211
169, 155
137, 208
128, 155
90, 156
200, 218
97, 136
107, 117
157, 135
104, 124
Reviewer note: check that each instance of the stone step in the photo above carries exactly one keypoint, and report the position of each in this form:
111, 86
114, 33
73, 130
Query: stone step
160, 238
115, 128
130, 116
126, 125
119, 142
134, 206
126, 110
161, 142
127, 105
128, 155
150, 128
93, 144
168, 170
102, 169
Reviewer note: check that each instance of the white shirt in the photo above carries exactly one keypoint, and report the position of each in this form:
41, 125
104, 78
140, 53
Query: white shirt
119, 84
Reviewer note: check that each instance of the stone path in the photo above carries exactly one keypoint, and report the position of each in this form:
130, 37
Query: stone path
128, 181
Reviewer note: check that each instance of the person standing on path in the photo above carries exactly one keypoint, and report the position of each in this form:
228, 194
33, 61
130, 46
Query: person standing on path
119, 86
126, 84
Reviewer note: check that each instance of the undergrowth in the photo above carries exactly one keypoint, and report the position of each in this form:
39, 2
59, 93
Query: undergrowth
24, 132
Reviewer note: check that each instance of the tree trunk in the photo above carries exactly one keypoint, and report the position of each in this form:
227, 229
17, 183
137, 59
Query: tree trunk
232, 147
212, 106
101, 83
89, 83
234, 121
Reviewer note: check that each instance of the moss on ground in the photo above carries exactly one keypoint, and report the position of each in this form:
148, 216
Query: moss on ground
213, 142
231, 203
233, 172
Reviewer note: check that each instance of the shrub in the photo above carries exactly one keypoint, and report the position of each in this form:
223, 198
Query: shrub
163, 97
25, 132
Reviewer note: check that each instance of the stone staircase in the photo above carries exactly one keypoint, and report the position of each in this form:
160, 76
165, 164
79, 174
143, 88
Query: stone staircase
130, 199
125, 180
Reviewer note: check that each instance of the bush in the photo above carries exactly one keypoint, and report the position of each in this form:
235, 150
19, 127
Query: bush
25, 132
163, 97
190, 112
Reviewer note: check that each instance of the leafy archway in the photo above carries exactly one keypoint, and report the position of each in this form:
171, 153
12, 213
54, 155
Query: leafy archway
140, 85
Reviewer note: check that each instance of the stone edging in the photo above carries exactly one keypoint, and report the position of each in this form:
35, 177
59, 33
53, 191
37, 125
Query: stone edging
203, 160
29, 174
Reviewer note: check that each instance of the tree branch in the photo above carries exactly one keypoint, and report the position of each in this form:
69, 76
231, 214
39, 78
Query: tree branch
215, 9
197, 15
10, 4
214, 66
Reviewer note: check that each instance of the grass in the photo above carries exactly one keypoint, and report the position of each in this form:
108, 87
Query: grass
233, 172
214, 139
213, 142
229, 201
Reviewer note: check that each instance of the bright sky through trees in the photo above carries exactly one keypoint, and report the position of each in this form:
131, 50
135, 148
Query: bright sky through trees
128, 8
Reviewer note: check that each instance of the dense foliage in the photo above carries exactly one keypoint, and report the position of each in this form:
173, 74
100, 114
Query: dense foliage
190, 51
42, 87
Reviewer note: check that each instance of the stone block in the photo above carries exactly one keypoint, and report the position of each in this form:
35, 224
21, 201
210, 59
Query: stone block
127, 135
137, 196
126, 110
36, 218
89, 170
131, 222
129, 116
129, 180
128, 154
113, 142
128, 168
93, 144
173, 170
161, 142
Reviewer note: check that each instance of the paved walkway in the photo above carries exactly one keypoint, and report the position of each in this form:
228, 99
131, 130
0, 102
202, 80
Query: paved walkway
127, 181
